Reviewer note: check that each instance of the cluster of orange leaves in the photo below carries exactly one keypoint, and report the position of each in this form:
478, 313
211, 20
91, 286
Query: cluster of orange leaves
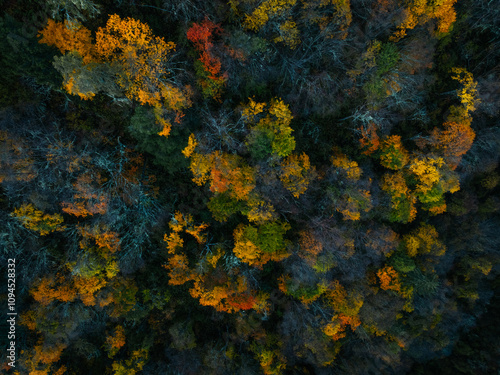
419, 12
69, 36
457, 136
212, 286
369, 140
346, 307
201, 34
223, 295
226, 172
47, 290
105, 239
130, 45
116, 341
178, 264
389, 279
87, 200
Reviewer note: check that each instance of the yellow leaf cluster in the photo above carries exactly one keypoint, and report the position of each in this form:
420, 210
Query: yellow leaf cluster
189, 149
349, 167
294, 173
468, 92
424, 240
267, 10
260, 210
426, 171
37, 220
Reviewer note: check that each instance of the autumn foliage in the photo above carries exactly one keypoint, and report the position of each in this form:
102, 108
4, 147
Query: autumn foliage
129, 46
201, 35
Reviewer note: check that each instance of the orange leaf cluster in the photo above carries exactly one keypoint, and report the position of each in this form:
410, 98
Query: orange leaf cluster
45, 291
88, 200
419, 12
225, 172
228, 296
389, 279
69, 36
102, 237
369, 140
116, 341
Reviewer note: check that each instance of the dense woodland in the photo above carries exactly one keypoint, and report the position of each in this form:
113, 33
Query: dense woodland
251, 186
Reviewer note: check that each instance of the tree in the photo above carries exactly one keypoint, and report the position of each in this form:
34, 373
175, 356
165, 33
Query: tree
457, 136
453, 141
127, 51
349, 168
433, 178
37, 220
392, 153
423, 240
346, 307
258, 245
211, 79
402, 200
270, 133
295, 173
69, 36
270, 12
87, 200
225, 172
369, 141
389, 279
418, 12
115, 341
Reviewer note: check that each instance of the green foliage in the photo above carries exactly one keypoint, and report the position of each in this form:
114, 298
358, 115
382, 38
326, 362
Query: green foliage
222, 206
402, 262
260, 144
166, 151
269, 237
387, 58
423, 284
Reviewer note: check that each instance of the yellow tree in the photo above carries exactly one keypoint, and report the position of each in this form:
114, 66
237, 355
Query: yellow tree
69, 36
258, 245
270, 131
433, 179
277, 13
295, 173
37, 220
402, 200
392, 153
135, 60
456, 136
423, 240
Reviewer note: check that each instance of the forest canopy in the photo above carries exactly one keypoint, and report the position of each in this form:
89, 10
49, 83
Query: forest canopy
250, 186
